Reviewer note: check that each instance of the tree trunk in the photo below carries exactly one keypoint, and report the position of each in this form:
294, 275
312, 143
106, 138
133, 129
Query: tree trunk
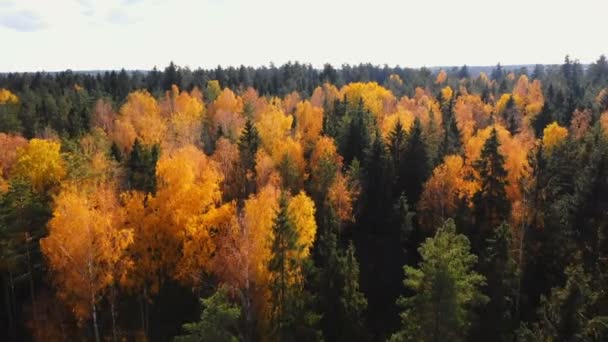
113, 313
95, 324
30, 270
9, 309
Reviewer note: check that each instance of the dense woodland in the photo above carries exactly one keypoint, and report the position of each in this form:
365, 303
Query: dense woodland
296, 204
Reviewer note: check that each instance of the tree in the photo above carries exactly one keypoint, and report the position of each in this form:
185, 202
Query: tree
445, 287
248, 144
572, 312
497, 318
449, 188
418, 164
219, 321
553, 135
397, 144
290, 315
40, 163
86, 249
142, 167
491, 203
342, 303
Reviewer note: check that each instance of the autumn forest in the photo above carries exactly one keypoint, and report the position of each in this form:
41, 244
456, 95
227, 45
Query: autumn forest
290, 203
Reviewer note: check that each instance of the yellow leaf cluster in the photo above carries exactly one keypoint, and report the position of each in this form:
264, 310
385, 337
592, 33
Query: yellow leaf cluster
301, 212
40, 163
273, 126
309, 123
6, 97
376, 99
553, 135
185, 114
228, 114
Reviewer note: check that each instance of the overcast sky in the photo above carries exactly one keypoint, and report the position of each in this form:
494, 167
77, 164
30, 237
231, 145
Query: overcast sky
139, 34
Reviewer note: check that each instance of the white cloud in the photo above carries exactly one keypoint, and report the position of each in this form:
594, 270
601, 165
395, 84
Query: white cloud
22, 21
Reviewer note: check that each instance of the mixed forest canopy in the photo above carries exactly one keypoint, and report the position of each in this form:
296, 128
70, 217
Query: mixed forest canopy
297, 204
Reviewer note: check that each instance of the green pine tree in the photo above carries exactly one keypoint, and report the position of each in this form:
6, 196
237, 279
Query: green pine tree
219, 321
446, 289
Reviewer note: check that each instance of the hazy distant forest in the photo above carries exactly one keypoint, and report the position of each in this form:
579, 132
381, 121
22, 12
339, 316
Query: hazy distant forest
289, 203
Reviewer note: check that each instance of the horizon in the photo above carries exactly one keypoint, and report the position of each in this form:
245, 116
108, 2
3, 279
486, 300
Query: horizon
315, 67
139, 34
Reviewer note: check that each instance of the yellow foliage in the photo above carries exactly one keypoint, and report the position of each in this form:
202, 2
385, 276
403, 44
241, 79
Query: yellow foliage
553, 135
405, 117
301, 212
6, 97
185, 114
446, 94
376, 99
309, 123
139, 117
228, 114
172, 232
274, 126
501, 104
40, 163
260, 212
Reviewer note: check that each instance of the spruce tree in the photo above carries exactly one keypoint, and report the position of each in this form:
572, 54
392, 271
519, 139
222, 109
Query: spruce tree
291, 314
492, 206
248, 144
497, 318
142, 167
417, 170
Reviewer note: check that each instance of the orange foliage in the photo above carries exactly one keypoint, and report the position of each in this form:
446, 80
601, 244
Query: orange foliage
86, 247
448, 187
471, 113
341, 198
581, 119
325, 95
103, 115
290, 102
226, 156
9, 145
442, 76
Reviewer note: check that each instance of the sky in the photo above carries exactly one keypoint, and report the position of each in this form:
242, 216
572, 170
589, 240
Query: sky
54, 35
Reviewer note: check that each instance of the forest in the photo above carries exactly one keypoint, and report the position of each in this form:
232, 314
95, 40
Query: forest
289, 203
